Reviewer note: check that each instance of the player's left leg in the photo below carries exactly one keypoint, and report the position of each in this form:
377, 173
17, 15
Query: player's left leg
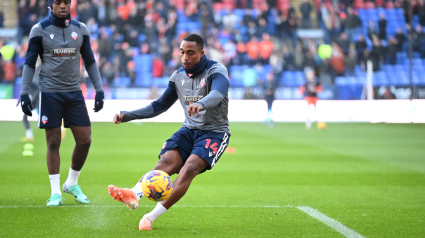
82, 136
193, 166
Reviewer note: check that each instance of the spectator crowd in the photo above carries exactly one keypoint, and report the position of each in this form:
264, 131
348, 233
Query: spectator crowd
240, 35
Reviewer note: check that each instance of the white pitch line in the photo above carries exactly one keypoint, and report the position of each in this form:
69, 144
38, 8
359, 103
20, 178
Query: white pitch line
347, 232
121, 206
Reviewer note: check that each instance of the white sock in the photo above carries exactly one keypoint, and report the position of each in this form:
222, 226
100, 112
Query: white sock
137, 189
156, 212
269, 115
29, 134
72, 177
55, 183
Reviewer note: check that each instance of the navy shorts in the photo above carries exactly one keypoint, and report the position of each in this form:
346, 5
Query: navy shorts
205, 144
69, 106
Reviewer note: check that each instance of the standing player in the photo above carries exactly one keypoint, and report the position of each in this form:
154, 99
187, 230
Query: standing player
201, 86
310, 88
269, 95
59, 41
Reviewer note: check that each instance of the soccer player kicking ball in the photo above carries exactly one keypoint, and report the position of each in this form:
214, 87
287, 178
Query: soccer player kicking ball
201, 86
59, 41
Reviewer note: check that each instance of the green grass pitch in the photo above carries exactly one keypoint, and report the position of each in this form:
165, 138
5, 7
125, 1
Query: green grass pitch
368, 177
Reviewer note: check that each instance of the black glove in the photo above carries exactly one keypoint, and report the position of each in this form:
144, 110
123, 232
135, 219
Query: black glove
26, 105
98, 101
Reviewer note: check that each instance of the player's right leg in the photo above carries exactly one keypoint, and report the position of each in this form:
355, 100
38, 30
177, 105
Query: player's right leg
50, 118
53, 138
193, 166
169, 162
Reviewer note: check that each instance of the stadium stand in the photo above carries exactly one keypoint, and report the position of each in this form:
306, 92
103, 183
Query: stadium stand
228, 25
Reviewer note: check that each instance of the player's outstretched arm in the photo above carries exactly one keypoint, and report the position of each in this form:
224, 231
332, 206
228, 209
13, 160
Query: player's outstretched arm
156, 107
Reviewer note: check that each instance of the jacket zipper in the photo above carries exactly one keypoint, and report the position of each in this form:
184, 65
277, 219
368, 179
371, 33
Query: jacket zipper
63, 35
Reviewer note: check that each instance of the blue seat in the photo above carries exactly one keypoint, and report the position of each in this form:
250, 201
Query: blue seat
392, 79
378, 78
193, 26
223, 12
122, 82
399, 11
352, 80
236, 72
288, 78
160, 82
143, 80
390, 11
388, 68
416, 79
416, 55
181, 27
363, 17
362, 80
299, 78
340, 81
255, 12
398, 67
401, 78
239, 12
142, 38
263, 71
371, 11
143, 59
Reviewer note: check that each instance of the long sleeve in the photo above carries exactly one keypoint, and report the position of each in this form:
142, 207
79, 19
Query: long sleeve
90, 62
35, 48
219, 88
155, 108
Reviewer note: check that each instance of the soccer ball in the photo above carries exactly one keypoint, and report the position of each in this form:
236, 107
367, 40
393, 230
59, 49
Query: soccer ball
157, 185
321, 125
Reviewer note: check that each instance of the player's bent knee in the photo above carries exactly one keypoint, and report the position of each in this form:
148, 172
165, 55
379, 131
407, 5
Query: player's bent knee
53, 143
85, 142
170, 162
194, 167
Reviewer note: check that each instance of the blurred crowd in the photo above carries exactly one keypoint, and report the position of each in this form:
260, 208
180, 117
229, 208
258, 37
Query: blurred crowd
266, 35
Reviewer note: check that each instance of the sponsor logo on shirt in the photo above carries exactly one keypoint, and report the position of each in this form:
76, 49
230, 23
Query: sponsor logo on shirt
192, 99
65, 53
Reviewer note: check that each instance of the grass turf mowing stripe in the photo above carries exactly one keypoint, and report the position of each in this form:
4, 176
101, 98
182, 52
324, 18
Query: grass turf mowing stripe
347, 232
177, 206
